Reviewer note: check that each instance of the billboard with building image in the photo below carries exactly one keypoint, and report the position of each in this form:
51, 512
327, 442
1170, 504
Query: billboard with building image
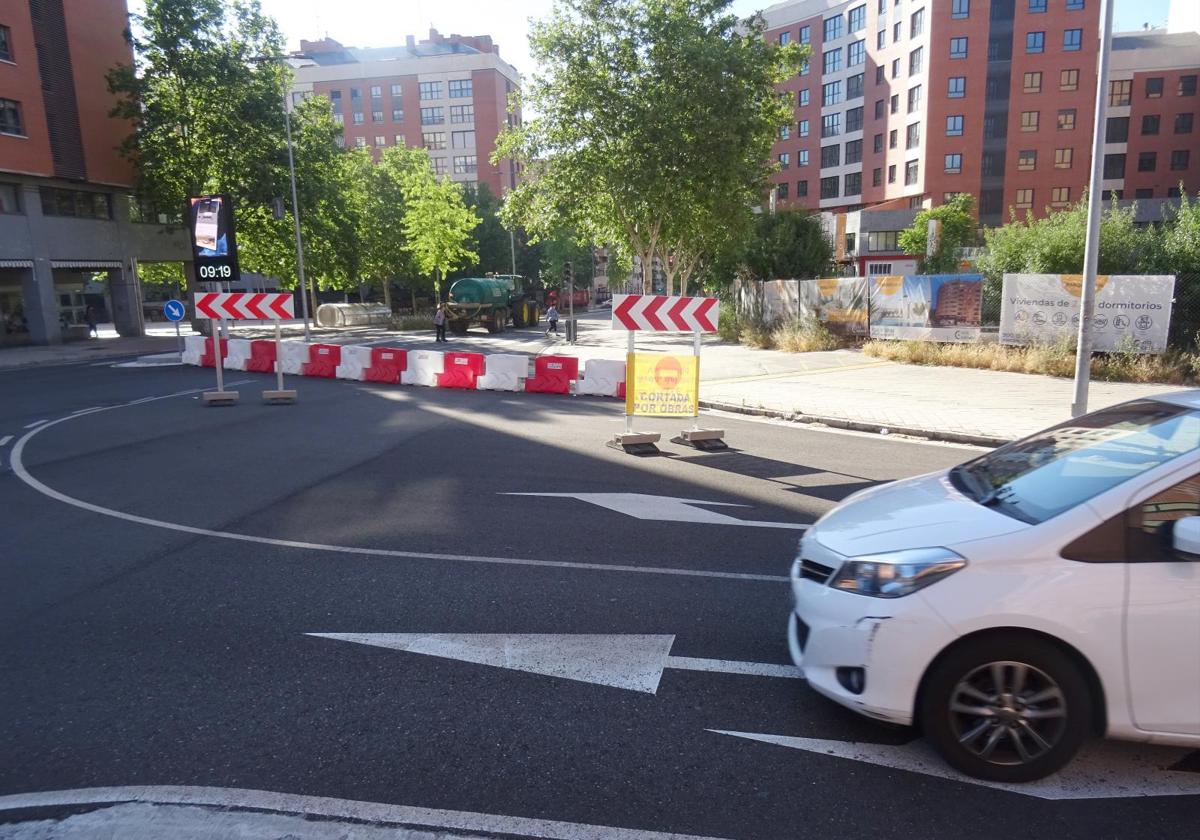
927, 307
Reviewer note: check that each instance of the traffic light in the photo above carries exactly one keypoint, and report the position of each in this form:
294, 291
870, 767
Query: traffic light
568, 273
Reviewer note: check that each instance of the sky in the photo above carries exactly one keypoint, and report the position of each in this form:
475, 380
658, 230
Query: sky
384, 23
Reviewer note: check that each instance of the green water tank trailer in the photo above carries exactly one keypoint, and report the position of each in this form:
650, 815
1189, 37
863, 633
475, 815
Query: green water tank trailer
491, 301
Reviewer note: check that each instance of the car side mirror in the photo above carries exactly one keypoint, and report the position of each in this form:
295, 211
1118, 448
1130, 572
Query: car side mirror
1185, 537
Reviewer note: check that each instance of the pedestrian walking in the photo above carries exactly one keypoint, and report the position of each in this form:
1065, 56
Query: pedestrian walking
90, 315
552, 320
439, 322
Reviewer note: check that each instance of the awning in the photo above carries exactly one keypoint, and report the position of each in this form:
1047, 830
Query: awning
16, 263
97, 265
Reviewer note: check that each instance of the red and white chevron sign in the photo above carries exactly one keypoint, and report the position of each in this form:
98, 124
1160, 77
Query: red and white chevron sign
244, 306
660, 313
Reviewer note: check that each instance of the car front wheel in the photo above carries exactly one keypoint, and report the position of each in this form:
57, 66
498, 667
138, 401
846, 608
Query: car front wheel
1007, 709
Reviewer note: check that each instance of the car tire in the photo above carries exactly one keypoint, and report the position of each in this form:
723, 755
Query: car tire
1008, 708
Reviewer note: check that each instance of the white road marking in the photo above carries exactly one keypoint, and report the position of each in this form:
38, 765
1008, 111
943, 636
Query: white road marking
1103, 770
4, 440
35, 423
665, 509
329, 807
84, 410
18, 468
622, 660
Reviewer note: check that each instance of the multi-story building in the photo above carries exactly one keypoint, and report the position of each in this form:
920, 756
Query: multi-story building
447, 94
65, 214
906, 102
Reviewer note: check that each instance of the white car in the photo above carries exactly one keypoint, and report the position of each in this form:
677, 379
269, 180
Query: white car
1022, 602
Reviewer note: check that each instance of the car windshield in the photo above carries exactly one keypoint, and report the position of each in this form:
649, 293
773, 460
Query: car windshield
1041, 476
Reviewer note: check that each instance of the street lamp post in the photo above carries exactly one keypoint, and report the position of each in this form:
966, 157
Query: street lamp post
287, 121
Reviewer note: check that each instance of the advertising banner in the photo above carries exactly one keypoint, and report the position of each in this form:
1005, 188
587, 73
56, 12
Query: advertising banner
927, 307
659, 385
214, 243
840, 303
1132, 311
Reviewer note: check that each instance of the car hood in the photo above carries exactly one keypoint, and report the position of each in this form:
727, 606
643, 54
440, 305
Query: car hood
913, 513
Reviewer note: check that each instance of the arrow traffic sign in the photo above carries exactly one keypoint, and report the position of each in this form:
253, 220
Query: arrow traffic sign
244, 306
629, 661
666, 509
174, 310
662, 313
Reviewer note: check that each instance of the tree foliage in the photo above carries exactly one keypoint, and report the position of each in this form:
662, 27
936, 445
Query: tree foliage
437, 224
788, 244
957, 231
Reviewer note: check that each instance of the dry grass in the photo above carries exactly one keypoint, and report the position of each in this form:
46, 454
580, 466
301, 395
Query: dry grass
804, 336
1173, 367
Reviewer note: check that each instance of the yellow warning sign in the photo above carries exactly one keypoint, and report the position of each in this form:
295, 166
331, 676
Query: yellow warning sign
662, 386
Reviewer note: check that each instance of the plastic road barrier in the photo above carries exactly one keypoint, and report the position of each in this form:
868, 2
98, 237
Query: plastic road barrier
238, 354
423, 368
461, 370
293, 356
503, 372
553, 375
262, 357
602, 378
354, 364
387, 363
323, 360
208, 360
193, 349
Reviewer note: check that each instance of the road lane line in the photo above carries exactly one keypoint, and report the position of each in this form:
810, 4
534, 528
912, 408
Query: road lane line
35, 423
4, 440
18, 468
325, 806
730, 666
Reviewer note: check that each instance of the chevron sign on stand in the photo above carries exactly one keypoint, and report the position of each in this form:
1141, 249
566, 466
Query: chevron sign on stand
244, 306
661, 313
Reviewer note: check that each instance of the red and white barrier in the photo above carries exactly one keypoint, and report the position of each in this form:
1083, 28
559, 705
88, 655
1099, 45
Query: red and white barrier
553, 375
293, 356
387, 364
423, 368
323, 360
355, 362
193, 349
460, 370
503, 372
238, 354
208, 359
601, 378
262, 357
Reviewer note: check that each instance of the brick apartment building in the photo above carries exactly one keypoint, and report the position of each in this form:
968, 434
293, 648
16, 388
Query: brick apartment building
64, 190
906, 102
446, 94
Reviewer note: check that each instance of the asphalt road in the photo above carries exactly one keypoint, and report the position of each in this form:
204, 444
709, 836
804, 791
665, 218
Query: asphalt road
145, 644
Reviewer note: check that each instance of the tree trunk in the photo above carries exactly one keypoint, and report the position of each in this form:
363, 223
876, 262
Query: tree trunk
412, 290
387, 294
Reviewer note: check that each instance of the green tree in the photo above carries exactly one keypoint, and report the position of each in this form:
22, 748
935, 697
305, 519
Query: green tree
1178, 238
655, 125
385, 259
784, 245
437, 224
957, 231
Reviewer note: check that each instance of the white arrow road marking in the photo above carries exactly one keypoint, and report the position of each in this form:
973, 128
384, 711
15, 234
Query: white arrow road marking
1103, 770
665, 508
629, 661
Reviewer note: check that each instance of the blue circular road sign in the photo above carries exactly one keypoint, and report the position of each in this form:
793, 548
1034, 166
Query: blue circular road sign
174, 310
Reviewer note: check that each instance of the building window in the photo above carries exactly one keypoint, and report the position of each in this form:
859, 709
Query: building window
857, 18
912, 171
953, 164
9, 195
462, 113
460, 89
802, 158
803, 97
1035, 42
829, 187
915, 60
876, 269
802, 128
1150, 123
914, 98
397, 115
877, 143
432, 116
1037, 7
6, 44
1030, 120
880, 74
852, 185
831, 94
881, 39
399, 138
893, 139
912, 136
377, 116
993, 127
77, 203
831, 156
1068, 80
1063, 158
831, 125
1187, 85
1114, 167
1120, 92
877, 177
395, 91
785, 160
1180, 159
958, 87
805, 67
335, 100
1144, 192
1154, 87
440, 165
360, 142
1116, 130
785, 131
992, 163
1074, 5
1033, 82
805, 34
1027, 160
856, 54
996, 88
10, 118
917, 24
339, 119
833, 28
892, 174
960, 9
897, 31
880, 108
831, 60
355, 95
781, 191
1147, 161
801, 189
854, 119
1024, 199
1109, 195
954, 125
896, 68
376, 91
1066, 119
380, 141
1072, 40
431, 90
1183, 123
895, 103
358, 118
1060, 196
434, 141
464, 165
785, 38
958, 47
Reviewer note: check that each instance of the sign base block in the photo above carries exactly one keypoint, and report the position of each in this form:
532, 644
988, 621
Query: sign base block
220, 397
279, 397
706, 440
636, 443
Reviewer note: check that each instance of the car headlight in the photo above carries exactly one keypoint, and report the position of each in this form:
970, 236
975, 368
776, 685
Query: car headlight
897, 573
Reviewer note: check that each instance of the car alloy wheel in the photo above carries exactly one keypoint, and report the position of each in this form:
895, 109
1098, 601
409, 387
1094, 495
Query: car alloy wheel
1008, 713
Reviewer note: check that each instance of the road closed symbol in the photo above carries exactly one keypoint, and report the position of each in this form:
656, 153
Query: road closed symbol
663, 386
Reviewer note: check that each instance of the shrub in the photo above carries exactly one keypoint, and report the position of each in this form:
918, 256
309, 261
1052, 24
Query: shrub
412, 323
804, 335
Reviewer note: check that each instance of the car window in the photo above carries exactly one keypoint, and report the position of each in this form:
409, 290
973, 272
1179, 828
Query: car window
1149, 523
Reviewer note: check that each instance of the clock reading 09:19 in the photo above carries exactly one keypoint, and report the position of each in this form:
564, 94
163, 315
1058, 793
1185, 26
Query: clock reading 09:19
214, 272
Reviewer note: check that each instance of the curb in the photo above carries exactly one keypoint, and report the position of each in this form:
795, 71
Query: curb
857, 425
